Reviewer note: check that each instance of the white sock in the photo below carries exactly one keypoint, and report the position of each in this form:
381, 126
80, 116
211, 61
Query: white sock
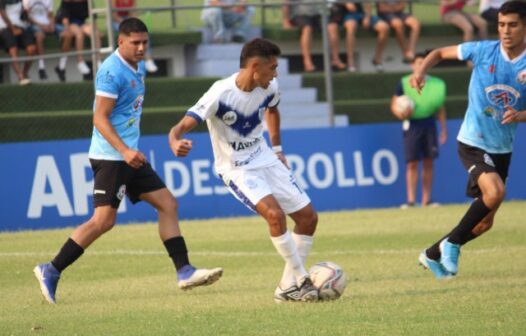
41, 64
303, 246
62, 62
288, 251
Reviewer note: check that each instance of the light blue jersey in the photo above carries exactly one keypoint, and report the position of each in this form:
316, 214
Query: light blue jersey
496, 82
116, 79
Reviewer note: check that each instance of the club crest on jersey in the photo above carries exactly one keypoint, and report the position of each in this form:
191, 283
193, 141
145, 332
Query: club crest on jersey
230, 118
501, 95
521, 77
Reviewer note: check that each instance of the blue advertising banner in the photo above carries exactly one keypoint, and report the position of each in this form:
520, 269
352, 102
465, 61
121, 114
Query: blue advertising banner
49, 184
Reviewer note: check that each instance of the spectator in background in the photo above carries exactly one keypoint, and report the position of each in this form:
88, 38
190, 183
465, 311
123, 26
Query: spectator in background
118, 17
452, 12
420, 134
393, 12
14, 34
489, 9
307, 18
42, 19
228, 14
352, 15
72, 16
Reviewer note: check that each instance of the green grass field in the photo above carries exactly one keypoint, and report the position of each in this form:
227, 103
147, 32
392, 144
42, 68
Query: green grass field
125, 284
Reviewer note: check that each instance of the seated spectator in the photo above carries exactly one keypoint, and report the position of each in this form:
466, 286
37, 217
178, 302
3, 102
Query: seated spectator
14, 34
228, 14
72, 16
393, 12
452, 11
118, 17
489, 9
352, 15
40, 16
307, 18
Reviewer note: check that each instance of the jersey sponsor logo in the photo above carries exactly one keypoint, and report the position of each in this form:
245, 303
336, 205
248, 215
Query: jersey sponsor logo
240, 163
137, 104
229, 118
500, 96
241, 145
121, 192
521, 77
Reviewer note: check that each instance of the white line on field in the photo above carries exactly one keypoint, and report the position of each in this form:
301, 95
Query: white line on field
257, 254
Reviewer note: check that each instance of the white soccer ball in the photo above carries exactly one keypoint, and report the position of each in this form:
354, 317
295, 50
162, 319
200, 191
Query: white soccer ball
404, 106
329, 279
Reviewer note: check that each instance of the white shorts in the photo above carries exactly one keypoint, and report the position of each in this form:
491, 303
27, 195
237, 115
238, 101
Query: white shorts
250, 186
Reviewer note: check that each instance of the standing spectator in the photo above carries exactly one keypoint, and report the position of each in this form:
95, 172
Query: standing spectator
489, 10
420, 134
352, 15
228, 14
118, 16
307, 18
393, 12
72, 16
14, 34
452, 12
496, 105
42, 19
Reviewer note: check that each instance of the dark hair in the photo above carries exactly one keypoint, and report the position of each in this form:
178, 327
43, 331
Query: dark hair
514, 7
258, 47
422, 54
132, 25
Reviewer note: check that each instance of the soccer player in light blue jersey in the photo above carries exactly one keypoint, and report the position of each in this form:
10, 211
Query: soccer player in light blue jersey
497, 102
120, 168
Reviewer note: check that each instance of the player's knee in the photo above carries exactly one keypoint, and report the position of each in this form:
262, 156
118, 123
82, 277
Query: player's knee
483, 226
275, 217
494, 196
103, 225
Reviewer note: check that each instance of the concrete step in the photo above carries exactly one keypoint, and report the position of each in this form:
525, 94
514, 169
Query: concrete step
314, 122
288, 81
225, 67
302, 95
299, 110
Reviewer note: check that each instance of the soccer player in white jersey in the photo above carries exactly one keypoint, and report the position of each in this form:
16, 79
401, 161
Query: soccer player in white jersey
119, 167
497, 102
234, 109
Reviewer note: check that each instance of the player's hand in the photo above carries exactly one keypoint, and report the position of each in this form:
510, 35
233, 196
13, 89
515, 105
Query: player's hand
134, 158
417, 81
283, 159
511, 115
181, 147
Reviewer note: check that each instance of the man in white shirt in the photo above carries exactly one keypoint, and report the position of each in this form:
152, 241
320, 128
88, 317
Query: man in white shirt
258, 176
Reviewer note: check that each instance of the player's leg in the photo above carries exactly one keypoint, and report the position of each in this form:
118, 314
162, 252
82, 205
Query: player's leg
414, 25
147, 186
427, 180
351, 26
306, 45
382, 34
411, 177
460, 20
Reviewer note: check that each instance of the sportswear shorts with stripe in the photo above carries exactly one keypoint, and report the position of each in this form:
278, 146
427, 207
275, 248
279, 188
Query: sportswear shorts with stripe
250, 186
114, 179
477, 161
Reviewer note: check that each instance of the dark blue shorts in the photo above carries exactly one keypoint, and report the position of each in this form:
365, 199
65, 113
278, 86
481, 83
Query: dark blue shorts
301, 21
420, 140
388, 17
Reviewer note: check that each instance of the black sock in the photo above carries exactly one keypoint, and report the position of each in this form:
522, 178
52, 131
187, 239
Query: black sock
467, 238
434, 251
176, 248
476, 212
67, 255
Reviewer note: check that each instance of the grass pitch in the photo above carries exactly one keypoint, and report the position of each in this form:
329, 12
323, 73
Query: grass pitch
125, 284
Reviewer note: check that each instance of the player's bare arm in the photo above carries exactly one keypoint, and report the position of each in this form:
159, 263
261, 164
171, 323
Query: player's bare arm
101, 120
273, 125
513, 116
180, 146
418, 78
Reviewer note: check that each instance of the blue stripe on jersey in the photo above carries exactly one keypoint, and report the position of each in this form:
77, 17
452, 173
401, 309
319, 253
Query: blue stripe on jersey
195, 116
240, 196
245, 124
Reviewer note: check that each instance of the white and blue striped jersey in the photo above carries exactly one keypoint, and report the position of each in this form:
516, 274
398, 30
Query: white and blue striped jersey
116, 79
235, 122
496, 82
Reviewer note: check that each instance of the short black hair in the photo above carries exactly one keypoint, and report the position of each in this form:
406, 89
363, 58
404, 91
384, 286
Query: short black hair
514, 7
132, 25
422, 54
258, 47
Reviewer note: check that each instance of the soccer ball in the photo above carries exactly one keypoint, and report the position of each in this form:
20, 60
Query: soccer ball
404, 107
329, 279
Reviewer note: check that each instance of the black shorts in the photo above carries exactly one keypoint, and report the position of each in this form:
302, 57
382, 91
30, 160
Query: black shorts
420, 140
388, 17
21, 41
114, 179
301, 21
477, 161
337, 13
